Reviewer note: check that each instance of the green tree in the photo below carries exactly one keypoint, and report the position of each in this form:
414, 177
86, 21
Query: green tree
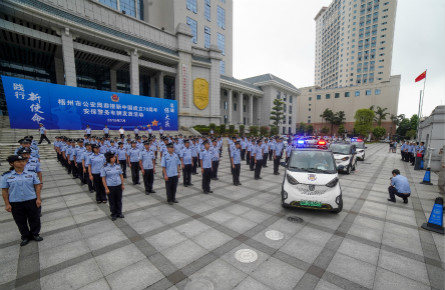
212, 126
324, 130
363, 121
273, 130
222, 129
241, 129
301, 128
276, 115
380, 115
309, 129
414, 121
394, 122
379, 132
341, 129
411, 134
264, 130
404, 126
253, 130
231, 129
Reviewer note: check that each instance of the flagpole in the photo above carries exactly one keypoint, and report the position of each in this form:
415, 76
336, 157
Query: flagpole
422, 98
418, 117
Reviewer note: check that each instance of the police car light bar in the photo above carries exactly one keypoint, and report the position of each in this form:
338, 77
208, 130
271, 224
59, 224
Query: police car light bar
321, 142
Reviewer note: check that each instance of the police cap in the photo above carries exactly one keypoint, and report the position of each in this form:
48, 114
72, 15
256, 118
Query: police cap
13, 158
170, 145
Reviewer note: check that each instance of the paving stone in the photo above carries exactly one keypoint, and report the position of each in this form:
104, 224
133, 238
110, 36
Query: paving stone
302, 249
118, 259
97, 285
166, 239
250, 283
64, 252
184, 253
359, 251
385, 279
277, 275
211, 239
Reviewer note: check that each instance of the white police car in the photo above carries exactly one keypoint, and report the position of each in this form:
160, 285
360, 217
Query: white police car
360, 148
311, 179
345, 156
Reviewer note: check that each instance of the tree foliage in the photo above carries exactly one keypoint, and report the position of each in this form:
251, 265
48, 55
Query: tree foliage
324, 130
404, 126
241, 129
341, 129
253, 131
380, 115
276, 114
273, 130
301, 129
264, 131
363, 121
309, 129
379, 132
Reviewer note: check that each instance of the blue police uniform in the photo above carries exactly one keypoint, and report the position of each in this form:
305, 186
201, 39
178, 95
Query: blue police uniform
400, 187
133, 155
96, 163
215, 151
86, 176
122, 158
112, 174
171, 162
187, 160
206, 158
258, 151
278, 151
22, 198
147, 157
235, 154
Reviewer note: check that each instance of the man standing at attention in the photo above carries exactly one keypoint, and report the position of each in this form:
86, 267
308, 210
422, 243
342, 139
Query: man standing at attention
171, 166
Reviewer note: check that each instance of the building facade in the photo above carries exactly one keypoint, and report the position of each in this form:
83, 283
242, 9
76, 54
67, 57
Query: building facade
353, 57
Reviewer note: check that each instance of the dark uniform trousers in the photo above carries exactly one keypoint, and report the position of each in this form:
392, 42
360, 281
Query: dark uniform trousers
43, 137
73, 168
411, 158
243, 154
265, 159
270, 155
206, 177
258, 166
99, 187
86, 176
24, 213
247, 157
252, 163
276, 163
80, 172
171, 186
135, 172
194, 164
148, 179
115, 199
187, 174
393, 192
123, 164
236, 173
215, 165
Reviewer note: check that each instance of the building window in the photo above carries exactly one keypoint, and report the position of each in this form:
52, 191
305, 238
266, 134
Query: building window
308, 121
284, 108
109, 3
328, 96
377, 91
207, 36
194, 27
290, 109
290, 99
222, 43
192, 5
310, 98
221, 13
337, 95
346, 94
368, 92
234, 107
207, 10
309, 109
290, 120
128, 8
225, 105
318, 97
225, 119
357, 93
222, 67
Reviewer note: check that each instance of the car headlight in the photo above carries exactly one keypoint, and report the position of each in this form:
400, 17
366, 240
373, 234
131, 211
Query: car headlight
345, 158
291, 180
332, 183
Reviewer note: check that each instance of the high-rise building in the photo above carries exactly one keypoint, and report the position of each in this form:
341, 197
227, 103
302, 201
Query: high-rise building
354, 40
353, 55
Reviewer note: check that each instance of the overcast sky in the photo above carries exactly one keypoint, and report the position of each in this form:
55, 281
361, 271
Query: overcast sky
278, 37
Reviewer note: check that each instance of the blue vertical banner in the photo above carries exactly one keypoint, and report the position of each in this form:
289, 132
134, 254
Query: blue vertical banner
62, 107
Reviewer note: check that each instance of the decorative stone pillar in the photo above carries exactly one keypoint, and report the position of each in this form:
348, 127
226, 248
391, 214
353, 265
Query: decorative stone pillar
230, 106
69, 63
241, 108
134, 72
251, 110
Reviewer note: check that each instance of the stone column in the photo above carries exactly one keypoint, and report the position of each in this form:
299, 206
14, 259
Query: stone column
161, 85
58, 63
153, 92
134, 72
241, 107
251, 110
69, 63
230, 106
113, 80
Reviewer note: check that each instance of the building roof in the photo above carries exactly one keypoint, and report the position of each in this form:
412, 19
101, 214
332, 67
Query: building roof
240, 82
267, 78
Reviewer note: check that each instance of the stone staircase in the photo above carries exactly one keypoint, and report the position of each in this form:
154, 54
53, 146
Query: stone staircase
9, 137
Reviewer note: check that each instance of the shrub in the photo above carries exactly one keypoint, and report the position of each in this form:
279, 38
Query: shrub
264, 130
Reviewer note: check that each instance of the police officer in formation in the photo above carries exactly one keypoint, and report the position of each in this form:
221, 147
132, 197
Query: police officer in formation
113, 183
258, 159
171, 166
277, 154
133, 161
205, 157
147, 163
186, 163
235, 158
95, 162
21, 194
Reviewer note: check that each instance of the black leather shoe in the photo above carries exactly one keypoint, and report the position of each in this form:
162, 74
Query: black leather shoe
113, 218
210, 191
170, 203
391, 200
99, 201
147, 193
24, 242
239, 183
152, 191
186, 185
405, 200
121, 216
175, 201
190, 184
37, 238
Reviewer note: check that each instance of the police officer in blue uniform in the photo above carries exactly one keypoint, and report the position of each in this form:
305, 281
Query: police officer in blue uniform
258, 159
85, 170
95, 162
205, 157
133, 162
42, 131
113, 182
106, 131
186, 161
235, 156
21, 194
121, 153
171, 166
277, 153
215, 151
399, 186
147, 163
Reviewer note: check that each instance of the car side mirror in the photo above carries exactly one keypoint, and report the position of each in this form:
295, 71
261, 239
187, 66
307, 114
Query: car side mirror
283, 164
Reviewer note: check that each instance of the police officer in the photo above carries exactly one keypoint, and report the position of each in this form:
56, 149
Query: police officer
88, 131
251, 152
86, 176
133, 162
42, 131
186, 162
95, 162
106, 131
113, 182
148, 168
215, 151
265, 148
235, 156
205, 157
195, 152
277, 152
399, 186
258, 159
21, 194
122, 158
78, 152
171, 166
136, 132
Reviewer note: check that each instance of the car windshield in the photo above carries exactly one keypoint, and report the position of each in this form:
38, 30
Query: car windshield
312, 161
360, 145
340, 149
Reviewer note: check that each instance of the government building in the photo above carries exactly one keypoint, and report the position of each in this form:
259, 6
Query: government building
353, 56
171, 49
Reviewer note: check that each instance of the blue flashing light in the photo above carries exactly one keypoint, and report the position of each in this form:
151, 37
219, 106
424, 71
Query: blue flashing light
300, 141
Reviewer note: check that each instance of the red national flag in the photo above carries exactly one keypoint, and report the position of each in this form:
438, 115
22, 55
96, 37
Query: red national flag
421, 77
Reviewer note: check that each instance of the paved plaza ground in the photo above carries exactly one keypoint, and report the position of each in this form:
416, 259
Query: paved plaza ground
194, 245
